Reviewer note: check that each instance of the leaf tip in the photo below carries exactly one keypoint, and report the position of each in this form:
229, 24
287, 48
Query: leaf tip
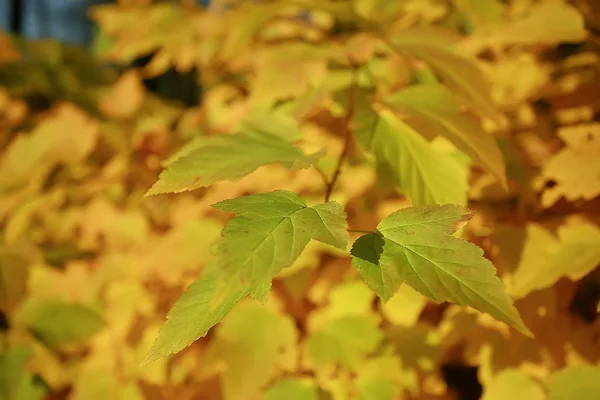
151, 356
525, 330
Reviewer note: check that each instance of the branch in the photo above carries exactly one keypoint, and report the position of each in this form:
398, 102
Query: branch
347, 134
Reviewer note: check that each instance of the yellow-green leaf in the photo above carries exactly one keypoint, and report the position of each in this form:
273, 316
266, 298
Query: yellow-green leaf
194, 313
436, 107
424, 174
460, 73
271, 230
228, 157
416, 246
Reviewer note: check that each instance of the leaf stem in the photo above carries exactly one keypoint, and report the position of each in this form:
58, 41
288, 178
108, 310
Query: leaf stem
359, 231
347, 134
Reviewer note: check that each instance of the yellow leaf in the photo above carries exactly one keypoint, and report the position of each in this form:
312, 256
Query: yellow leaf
545, 260
566, 168
125, 97
285, 72
64, 138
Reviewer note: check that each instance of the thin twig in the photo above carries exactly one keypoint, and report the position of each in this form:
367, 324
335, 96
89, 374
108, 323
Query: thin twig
347, 134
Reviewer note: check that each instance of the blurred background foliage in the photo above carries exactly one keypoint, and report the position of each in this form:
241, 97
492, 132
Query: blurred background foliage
89, 267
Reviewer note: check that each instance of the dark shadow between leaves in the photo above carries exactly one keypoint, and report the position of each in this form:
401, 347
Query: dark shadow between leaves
368, 248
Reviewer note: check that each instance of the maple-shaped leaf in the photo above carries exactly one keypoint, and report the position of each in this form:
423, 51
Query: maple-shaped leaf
193, 314
461, 74
440, 109
229, 157
415, 246
271, 230
426, 175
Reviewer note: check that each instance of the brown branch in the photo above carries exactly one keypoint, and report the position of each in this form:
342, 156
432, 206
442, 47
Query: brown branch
347, 134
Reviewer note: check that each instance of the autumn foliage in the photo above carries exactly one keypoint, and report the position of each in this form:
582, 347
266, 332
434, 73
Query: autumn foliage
370, 200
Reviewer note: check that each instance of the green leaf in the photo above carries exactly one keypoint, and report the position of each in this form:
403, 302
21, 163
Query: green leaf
271, 230
513, 384
424, 174
56, 322
228, 157
255, 343
416, 246
581, 382
292, 389
461, 74
194, 313
437, 106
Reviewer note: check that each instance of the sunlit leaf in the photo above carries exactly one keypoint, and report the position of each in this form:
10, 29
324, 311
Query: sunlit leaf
424, 174
437, 106
461, 74
271, 230
416, 246
228, 157
193, 315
